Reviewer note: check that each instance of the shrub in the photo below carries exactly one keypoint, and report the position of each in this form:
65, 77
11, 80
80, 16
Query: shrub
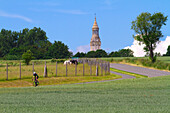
27, 56
11, 57
53, 60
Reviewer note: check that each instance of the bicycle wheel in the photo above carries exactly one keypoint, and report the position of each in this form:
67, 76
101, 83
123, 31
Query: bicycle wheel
34, 84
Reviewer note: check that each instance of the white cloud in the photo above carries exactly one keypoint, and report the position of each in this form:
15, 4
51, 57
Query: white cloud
84, 48
4, 14
139, 52
163, 45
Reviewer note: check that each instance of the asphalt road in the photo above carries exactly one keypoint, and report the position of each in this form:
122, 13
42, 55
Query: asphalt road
139, 70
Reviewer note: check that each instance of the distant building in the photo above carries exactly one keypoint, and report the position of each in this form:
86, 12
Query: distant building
95, 42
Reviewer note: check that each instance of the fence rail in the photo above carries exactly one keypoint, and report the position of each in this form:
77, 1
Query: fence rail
85, 67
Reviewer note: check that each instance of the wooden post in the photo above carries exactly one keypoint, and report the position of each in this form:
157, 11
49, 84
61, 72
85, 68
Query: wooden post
101, 68
83, 67
56, 69
97, 70
91, 68
66, 69
7, 71
33, 67
76, 69
20, 70
105, 67
109, 68
45, 70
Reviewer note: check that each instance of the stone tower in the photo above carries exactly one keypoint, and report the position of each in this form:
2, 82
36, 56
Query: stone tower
95, 42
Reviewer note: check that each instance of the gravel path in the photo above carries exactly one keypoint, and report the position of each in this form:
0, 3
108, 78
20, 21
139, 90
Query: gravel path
139, 70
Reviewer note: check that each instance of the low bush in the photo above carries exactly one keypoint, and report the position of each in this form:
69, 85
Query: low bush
53, 60
11, 57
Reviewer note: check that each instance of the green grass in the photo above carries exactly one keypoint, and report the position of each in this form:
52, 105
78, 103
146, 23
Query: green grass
144, 95
56, 80
128, 73
165, 59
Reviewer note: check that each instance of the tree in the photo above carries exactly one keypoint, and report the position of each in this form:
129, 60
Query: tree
27, 56
148, 30
101, 53
8, 40
58, 50
78, 54
91, 54
126, 53
168, 51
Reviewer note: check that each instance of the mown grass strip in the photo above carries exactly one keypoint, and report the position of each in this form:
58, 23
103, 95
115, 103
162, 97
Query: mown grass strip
57, 80
128, 73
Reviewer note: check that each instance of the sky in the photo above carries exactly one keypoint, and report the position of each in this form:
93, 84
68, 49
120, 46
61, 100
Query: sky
71, 21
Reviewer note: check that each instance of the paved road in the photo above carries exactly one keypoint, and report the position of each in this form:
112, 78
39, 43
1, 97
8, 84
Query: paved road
139, 70
123, 75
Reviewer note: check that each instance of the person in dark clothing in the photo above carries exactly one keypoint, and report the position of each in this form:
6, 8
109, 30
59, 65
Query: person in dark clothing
35, 78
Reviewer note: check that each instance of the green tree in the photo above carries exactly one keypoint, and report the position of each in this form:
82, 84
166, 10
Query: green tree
58, 50
27, 57
126, 53
168, 51
91, 54
78, 54
8, 40
114, 54
148, 30
101, 53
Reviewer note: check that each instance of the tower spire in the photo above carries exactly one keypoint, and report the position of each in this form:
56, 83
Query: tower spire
95, 42
95, 26
95, 16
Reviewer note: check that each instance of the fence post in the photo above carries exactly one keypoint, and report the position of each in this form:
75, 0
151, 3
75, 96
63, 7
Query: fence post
101, 65
97, 70
45, 70
7, 71
109, 68
105, 68
91, 68
33, 67
83, 67
20, 70
66, 69
76, 69
56, 69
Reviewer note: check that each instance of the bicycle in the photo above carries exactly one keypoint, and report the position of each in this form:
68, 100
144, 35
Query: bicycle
35, 83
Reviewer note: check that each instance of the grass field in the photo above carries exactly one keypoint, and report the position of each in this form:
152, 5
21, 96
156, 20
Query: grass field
165, 59
144, 95
128, 73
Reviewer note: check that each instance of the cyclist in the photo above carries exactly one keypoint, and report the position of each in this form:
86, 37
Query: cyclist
35, 78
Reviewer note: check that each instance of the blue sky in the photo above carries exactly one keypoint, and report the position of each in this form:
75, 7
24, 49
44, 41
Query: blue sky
71, 21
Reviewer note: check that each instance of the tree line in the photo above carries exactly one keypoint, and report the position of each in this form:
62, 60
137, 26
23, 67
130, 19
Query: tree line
13, 44
102, 53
